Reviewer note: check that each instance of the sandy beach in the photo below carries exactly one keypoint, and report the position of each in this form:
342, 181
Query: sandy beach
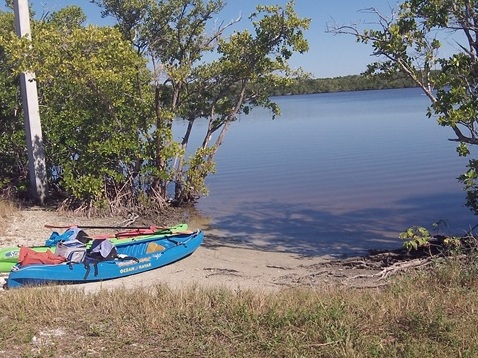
216, 263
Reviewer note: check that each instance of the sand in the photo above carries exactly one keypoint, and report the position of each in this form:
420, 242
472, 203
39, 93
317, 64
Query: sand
213, 264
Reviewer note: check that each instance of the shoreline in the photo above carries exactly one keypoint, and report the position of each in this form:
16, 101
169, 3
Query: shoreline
215, 264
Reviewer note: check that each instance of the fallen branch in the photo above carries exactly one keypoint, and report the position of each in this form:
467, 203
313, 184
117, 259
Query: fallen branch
395, 268
130, 221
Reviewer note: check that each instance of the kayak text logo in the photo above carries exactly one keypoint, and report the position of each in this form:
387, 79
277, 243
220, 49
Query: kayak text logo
14, 253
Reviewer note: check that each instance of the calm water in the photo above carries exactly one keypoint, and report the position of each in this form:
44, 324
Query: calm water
336, 174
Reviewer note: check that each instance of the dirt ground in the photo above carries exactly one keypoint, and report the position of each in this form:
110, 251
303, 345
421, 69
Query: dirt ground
215, 264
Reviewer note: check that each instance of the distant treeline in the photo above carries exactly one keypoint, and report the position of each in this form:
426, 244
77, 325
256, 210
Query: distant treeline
343, 84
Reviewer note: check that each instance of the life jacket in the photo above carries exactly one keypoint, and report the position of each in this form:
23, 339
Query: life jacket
73, 251
100, 250
28, 256
73, 233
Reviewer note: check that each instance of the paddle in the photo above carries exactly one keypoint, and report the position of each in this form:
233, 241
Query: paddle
169, 231
49, 226
154, 229
161, 231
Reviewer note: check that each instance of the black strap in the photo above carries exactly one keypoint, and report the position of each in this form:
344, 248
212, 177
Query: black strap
128, 258
87, 267
93, 260
177, 243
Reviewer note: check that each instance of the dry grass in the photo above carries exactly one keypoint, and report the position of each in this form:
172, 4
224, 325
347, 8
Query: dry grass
426, 314
7, 210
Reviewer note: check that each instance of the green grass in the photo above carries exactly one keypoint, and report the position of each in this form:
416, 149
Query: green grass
424, 314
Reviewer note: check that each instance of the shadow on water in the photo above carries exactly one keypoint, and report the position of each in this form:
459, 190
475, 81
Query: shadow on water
308, 232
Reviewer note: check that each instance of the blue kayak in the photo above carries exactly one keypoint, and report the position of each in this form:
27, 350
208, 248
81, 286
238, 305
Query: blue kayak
133, 257
9, 255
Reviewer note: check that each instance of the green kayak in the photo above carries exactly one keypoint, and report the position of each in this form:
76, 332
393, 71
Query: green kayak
9, 255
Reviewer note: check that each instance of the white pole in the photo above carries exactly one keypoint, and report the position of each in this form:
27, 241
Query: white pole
28, 88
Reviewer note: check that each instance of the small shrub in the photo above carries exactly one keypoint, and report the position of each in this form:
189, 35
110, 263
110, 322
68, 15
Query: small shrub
417, 237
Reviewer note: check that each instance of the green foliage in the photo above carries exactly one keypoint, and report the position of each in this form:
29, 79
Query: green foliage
305, 85
416, 237
174, 35
96, 120
470, 181
194, 185
453, 245
67, 18
419, 238
92, 117
109, 95
13, 151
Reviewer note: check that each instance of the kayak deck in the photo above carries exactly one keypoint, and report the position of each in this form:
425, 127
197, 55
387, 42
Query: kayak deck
135, 257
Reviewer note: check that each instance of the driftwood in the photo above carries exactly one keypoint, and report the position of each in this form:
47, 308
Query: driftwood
395, 268
369, 271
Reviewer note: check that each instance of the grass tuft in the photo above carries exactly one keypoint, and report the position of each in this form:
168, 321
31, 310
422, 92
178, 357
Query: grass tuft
7, 211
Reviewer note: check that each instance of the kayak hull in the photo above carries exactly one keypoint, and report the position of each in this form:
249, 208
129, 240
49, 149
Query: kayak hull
9, 255
141, 256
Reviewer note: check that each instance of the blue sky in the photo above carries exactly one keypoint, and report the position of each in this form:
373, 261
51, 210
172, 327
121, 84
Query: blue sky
329, 55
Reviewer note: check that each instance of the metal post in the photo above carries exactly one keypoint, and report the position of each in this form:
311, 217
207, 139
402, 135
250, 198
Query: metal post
28, 87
